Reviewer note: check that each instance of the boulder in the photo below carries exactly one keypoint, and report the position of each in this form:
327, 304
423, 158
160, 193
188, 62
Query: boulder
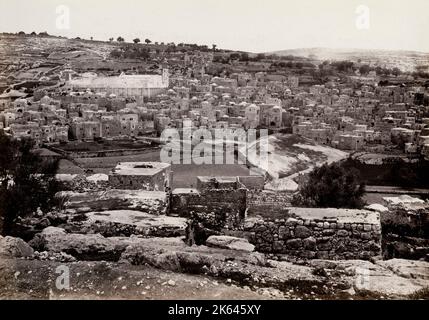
247, 268
294, 244
309, 243
228, 242
302, 232
80, 246
127, 222
174, 254
379, 277
407, 268
14, 247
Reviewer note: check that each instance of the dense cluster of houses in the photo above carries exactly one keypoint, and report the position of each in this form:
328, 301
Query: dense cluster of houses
369, 118
353, 114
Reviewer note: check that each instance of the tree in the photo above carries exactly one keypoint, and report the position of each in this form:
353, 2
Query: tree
299, 65
343, 66
403, 174
33, 33
120, 39
422, 68
234, 56
364, 69
116, 53
214, 47
396, 71
147, 41
136, 40
27, 182
260, 56
331, 186
244, 56
111, 39
21, 33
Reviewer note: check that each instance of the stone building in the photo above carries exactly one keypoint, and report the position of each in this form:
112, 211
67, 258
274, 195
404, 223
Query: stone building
161, 122
252, 116
271, 116
61, 133
293, 82
28, 130
86, 130
217, 202
350, 142
150, 176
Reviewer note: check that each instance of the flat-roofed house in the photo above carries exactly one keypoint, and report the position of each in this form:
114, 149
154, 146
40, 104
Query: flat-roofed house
150, 176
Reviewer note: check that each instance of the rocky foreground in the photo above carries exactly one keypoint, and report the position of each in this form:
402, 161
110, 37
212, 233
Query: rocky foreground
135, 267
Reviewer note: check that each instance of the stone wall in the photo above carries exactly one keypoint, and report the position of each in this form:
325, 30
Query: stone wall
261, 202
205, 184
256, 182
407, 220
317, 233
266, 219
137, 182
106, 153
216, 208
406, 231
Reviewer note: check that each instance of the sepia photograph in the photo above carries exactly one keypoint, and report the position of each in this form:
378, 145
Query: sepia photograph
225, 151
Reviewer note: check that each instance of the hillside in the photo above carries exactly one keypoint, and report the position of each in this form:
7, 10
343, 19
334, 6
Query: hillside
289, 156
405, 60
36, 59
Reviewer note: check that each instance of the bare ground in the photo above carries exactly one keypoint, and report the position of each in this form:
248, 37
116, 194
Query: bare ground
34, 279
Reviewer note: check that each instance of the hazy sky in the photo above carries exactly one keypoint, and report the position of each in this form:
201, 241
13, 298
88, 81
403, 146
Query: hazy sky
251, 25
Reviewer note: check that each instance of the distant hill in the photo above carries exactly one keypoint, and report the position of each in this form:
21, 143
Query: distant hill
405, 60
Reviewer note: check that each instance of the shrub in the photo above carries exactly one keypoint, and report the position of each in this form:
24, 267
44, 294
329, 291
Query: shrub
27, 182
331, 186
